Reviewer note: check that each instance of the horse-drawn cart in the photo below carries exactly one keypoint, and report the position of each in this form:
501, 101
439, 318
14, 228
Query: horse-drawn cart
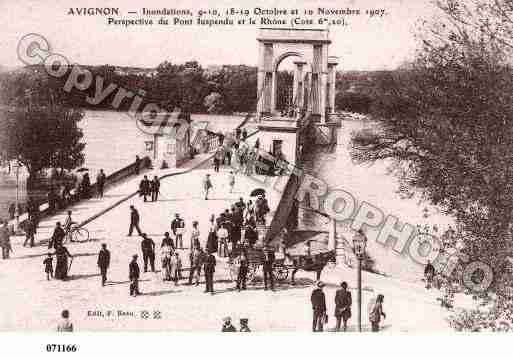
255, 258
281, 266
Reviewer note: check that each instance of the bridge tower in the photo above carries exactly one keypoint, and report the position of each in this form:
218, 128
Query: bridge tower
313, 89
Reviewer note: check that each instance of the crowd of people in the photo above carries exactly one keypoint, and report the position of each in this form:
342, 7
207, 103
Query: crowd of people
229, 234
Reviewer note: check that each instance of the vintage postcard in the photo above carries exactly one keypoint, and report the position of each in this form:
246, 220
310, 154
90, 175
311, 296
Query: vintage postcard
256, 166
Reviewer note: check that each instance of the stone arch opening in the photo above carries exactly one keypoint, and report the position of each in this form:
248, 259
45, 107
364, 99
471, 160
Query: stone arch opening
312, 73
288, 83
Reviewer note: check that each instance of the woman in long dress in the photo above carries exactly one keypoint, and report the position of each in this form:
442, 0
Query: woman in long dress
61, 267
175, 267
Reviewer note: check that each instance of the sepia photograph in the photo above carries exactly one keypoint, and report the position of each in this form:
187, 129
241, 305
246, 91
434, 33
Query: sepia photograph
343, 167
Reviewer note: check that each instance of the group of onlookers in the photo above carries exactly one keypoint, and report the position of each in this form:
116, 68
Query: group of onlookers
343, 303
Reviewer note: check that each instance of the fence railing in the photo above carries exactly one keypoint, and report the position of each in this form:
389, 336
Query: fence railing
119, 175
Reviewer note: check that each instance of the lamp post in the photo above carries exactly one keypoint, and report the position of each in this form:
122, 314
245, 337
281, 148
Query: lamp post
359, 244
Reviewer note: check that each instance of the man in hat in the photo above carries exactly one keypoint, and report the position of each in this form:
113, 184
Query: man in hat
104, 262
144, 187
100, 182
243, 271
134, 221
133, 275
209, 267
227, 325
177, 226
155, 189
268, 267
148, 251
319, 307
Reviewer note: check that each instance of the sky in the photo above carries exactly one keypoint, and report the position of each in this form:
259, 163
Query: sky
364, 44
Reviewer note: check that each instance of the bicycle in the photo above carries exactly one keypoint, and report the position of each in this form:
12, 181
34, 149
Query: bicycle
77, 234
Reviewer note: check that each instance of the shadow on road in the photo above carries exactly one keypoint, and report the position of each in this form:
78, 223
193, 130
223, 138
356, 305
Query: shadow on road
161, 292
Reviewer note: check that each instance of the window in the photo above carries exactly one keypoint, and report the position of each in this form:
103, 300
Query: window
148, 145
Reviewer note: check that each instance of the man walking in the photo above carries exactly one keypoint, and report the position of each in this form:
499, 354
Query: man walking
209, 268
30, 231
144, 187
268, 267
100, 183
178, 226
155, 189
134, 221
133, 275
104, 262
243, 271
148, 251
319, 307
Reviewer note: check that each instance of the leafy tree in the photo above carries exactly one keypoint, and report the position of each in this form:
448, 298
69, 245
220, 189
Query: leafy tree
445, 122
42, 137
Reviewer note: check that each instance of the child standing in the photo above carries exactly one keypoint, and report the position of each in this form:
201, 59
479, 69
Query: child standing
231, 181
48, 263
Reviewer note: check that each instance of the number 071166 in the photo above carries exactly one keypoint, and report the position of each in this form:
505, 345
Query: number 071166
61, 348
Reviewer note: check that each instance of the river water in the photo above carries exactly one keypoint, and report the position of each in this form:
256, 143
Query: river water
374, 185
112, 141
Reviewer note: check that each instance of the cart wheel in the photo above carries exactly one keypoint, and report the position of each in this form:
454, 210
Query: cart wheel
80, 235
280, 273
251, 272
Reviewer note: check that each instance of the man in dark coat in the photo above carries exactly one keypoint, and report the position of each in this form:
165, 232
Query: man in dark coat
144, 188
100, 182
148, 251
343, 302
155, 189
134, 221
133, 275
243, 271
209, 268
319, 307
268, 267
104, 262
30, 231
57, 236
